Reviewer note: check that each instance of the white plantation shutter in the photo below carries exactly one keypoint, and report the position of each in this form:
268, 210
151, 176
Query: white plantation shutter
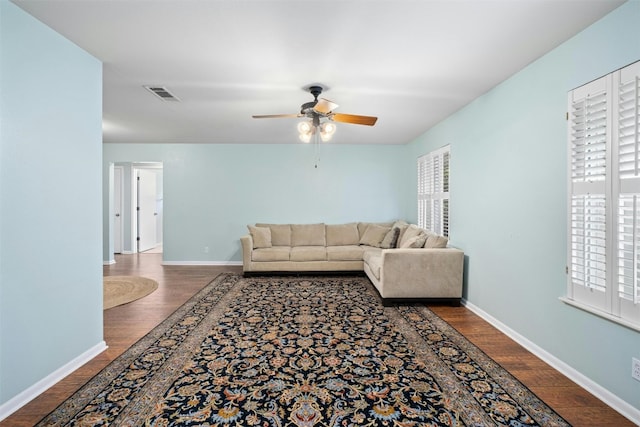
433, 191
588, 242
589, 140
628, 247
425, 176
604, 189
626, 83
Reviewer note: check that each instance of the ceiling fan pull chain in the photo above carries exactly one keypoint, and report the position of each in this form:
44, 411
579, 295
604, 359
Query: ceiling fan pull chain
317, 149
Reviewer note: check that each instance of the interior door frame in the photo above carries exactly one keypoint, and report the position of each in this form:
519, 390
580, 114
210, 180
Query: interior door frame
135, 167
129, 243
118, 208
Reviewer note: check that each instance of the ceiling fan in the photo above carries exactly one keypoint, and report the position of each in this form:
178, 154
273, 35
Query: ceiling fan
322, 108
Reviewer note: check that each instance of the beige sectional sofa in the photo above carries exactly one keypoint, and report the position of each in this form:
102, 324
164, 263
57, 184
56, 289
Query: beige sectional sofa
402, 260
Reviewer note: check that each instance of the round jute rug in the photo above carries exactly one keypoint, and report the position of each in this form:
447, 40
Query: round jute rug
120, 290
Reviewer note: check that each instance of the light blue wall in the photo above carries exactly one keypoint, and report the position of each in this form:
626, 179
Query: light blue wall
211, 192
50, 201
508, 201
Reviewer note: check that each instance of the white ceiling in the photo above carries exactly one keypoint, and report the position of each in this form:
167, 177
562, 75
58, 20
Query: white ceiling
409, 62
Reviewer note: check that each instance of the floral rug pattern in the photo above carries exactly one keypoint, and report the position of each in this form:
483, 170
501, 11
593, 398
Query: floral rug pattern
302, 351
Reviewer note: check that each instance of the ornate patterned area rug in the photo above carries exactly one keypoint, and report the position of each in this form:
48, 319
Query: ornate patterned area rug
302, 351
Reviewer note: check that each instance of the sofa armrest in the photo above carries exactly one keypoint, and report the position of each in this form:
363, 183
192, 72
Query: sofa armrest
247, 249
421, 273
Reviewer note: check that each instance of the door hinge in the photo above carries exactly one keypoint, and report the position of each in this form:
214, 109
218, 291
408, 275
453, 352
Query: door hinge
567, 116
566, 269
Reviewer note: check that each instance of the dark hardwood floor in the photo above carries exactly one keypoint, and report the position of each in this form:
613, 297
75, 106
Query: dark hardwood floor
124, 325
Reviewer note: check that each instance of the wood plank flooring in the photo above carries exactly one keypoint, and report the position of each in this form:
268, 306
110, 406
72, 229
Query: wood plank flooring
126, 324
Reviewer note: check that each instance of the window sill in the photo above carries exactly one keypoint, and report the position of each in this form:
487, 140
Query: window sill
599, 313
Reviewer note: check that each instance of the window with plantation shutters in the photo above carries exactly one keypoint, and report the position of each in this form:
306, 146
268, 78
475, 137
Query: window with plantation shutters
626, 114
589, 137
604, 191
433, 191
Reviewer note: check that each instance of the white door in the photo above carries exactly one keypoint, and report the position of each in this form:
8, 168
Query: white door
118, 172
147, 215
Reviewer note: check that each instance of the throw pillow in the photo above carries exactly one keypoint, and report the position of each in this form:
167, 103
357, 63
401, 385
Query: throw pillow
373, 235
391, 239
402, 225
280, 233
411, 231
415, 241
261, 236
435, 241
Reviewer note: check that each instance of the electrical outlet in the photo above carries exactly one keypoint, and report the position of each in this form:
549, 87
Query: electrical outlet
206, 249
635, 368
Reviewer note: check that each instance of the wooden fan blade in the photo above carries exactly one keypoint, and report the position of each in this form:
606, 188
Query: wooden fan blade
276, 116
324, 106
354, 119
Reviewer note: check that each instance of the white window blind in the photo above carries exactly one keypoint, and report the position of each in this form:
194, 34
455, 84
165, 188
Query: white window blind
604, 191
433, 191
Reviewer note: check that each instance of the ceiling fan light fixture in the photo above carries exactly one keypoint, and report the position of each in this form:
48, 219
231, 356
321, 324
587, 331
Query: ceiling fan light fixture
305, 127
317, 110
327, 129
306, 130
305, 137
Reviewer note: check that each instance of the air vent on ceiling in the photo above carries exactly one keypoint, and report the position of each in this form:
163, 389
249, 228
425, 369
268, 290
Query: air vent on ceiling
162, 93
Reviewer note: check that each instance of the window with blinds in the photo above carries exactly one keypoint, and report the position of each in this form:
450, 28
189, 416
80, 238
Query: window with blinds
433, 191
604, 191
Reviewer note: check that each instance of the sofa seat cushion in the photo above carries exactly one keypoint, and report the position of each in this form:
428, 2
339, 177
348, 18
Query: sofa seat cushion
274, 253
308, 253
374, 260
345, 253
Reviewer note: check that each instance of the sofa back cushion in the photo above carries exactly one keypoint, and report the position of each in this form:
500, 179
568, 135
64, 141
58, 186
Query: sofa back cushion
342, 234
280, 233
308, 235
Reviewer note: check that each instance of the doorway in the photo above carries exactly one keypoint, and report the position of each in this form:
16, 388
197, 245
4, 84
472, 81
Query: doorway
136, 224
118, 190
148, 207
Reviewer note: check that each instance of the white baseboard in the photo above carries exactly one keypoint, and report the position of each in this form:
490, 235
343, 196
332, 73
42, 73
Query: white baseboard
18, 401
110, 262
218, 263
621, 406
